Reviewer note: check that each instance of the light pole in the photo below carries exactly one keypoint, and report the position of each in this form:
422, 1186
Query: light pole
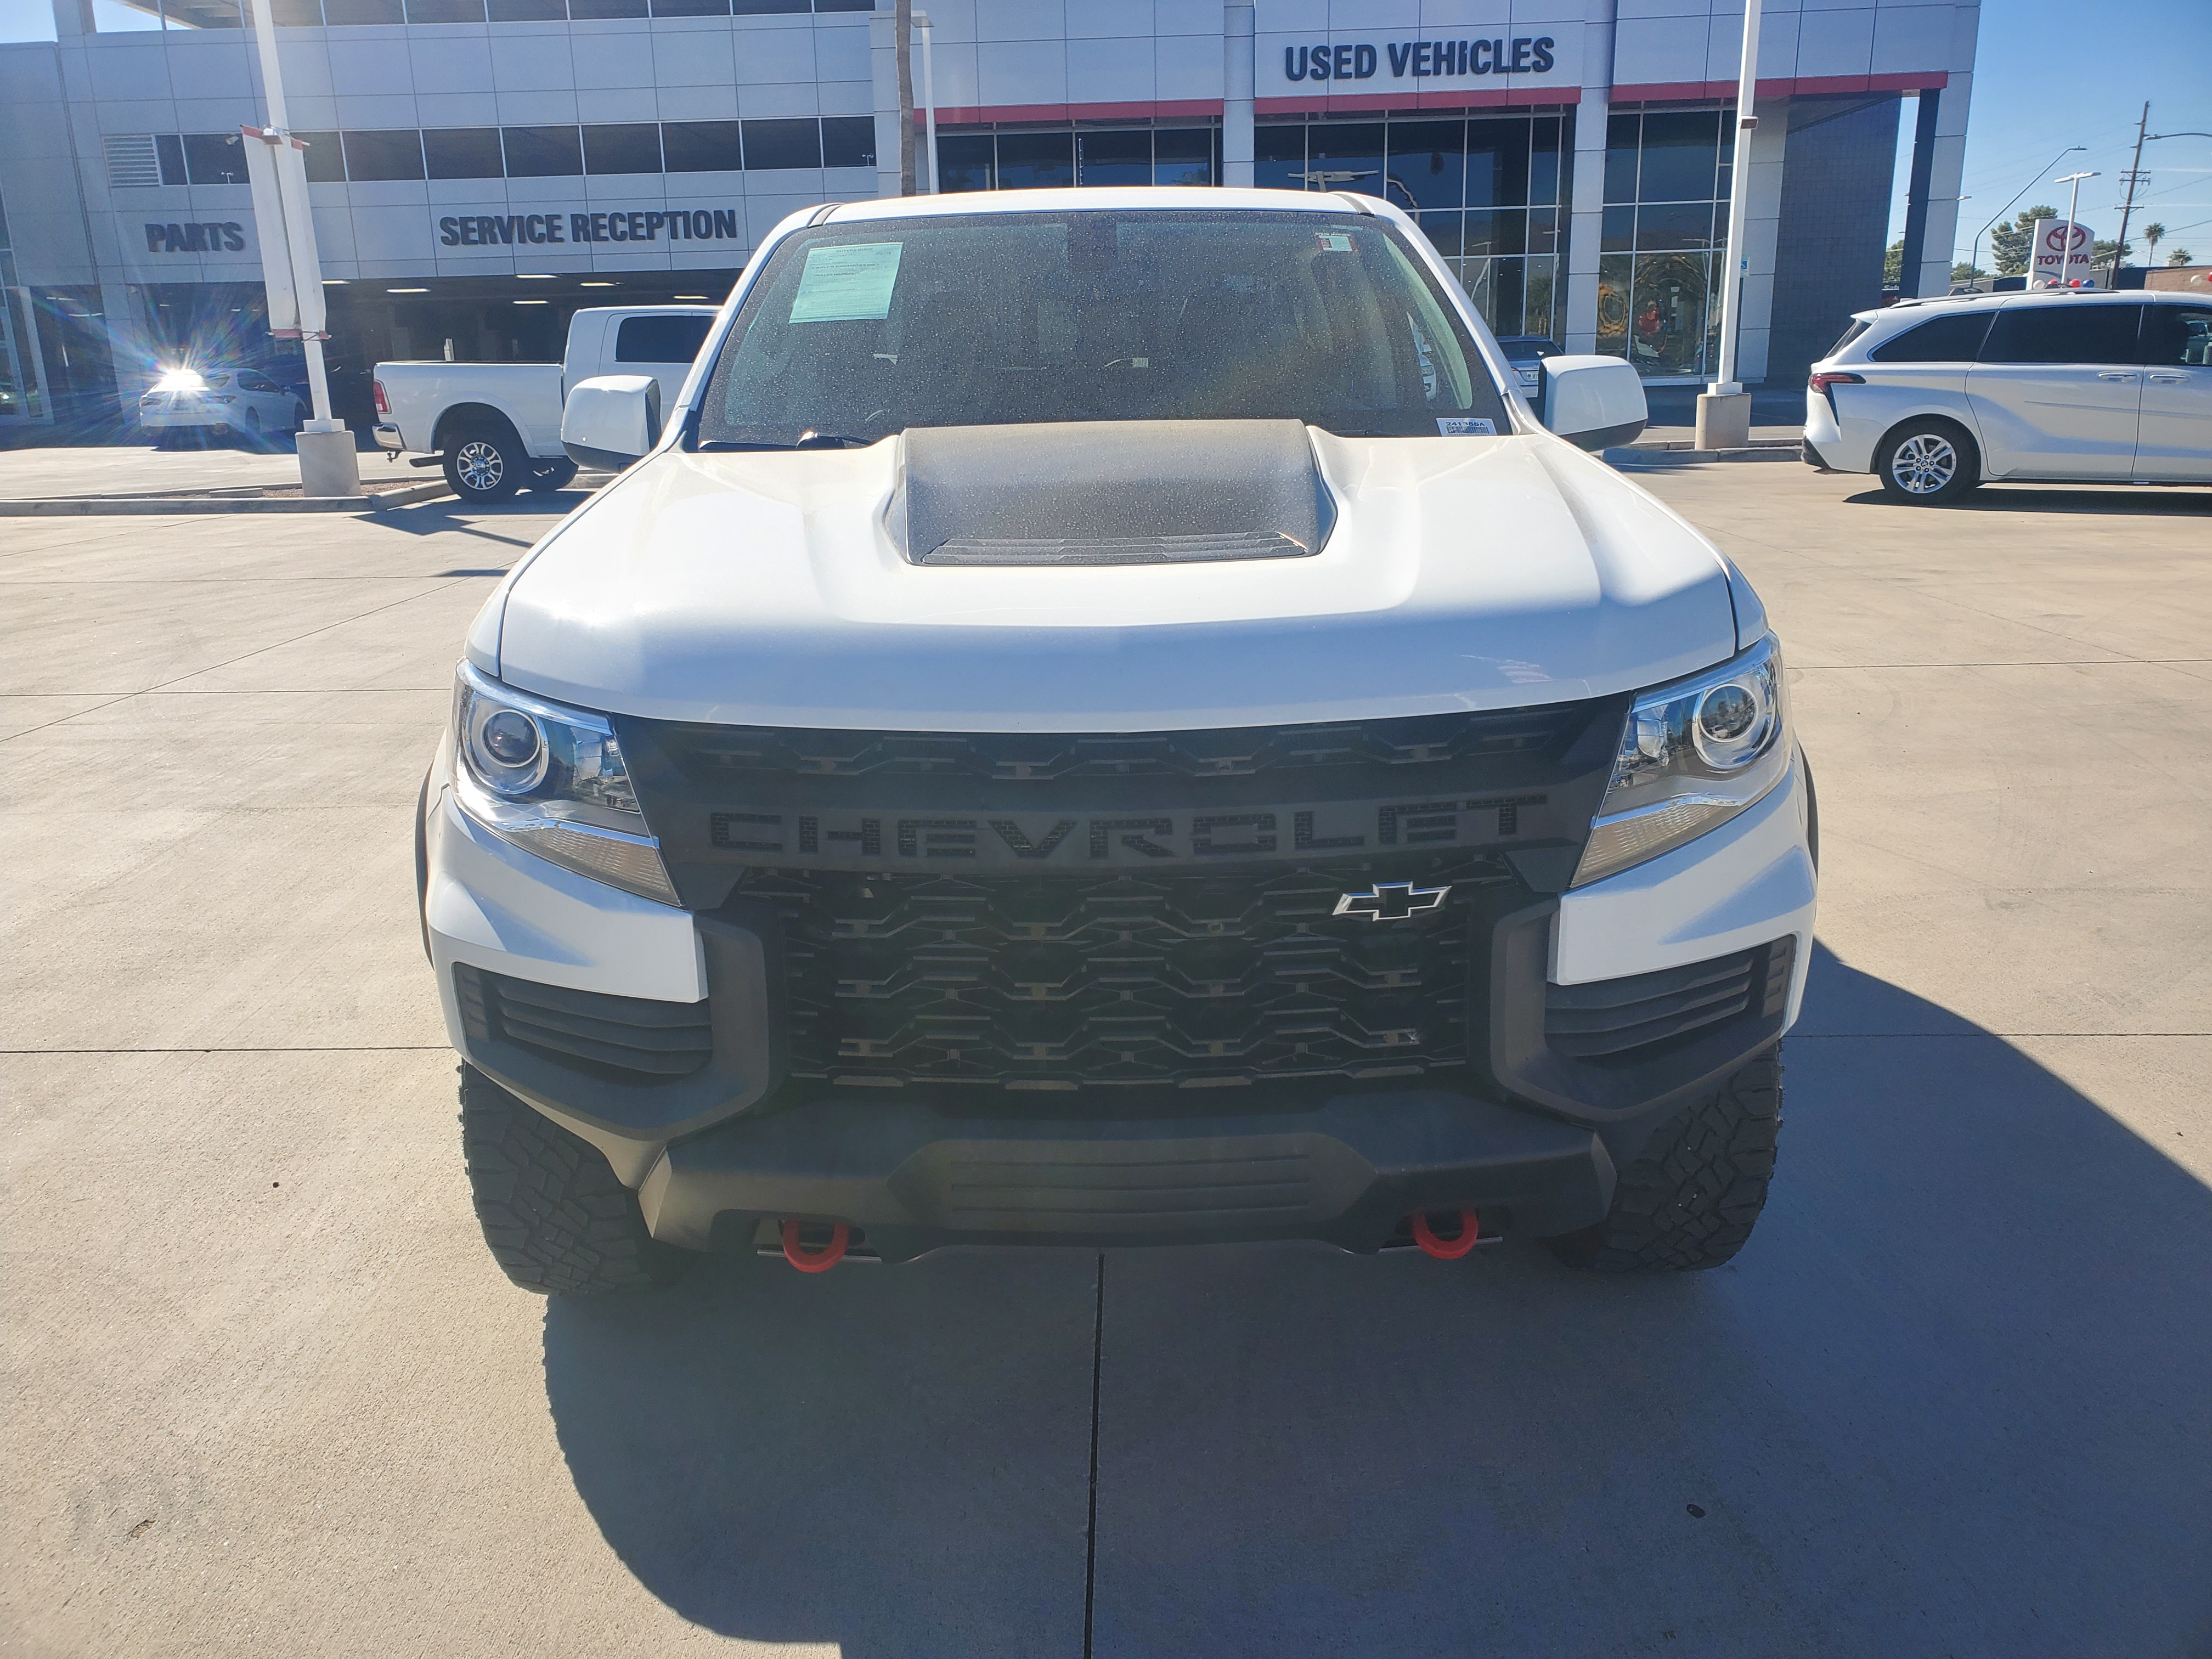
1974, 251
2073, 206
928, 98
1725, 407
328, 463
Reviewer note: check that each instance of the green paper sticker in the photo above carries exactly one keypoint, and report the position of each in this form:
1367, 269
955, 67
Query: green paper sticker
850, 283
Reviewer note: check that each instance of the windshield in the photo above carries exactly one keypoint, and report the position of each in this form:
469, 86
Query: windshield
856, 332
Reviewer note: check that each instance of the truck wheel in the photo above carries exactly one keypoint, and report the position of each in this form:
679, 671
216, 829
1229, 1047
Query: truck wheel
1692, 1197
549, 476
1929, 463
484, 464
552, 1211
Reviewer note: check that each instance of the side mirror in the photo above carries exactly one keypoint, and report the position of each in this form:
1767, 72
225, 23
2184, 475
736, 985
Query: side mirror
611, 420
1593, 403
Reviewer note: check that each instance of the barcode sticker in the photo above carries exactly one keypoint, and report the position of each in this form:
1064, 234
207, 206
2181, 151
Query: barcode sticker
1333, 242
1462, 426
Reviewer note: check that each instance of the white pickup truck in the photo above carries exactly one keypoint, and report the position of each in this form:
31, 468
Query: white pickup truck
495, 428
1104, 718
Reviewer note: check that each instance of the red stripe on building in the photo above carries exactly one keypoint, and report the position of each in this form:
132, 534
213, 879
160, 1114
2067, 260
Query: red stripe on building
1811, 86
1653, 92
1172, 109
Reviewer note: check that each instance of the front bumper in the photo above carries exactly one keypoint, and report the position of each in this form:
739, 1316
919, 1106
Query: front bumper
1345, 1171
1530, 1140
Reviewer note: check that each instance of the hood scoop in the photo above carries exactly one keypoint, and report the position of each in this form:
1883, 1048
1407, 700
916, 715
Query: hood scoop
1111, 492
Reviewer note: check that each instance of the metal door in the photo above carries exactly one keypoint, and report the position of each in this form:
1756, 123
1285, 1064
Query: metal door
2056, 389
2175, 439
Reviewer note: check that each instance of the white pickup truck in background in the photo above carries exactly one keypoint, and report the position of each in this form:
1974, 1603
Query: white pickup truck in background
497, 427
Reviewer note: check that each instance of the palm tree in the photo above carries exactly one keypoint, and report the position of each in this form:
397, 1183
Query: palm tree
2151, 232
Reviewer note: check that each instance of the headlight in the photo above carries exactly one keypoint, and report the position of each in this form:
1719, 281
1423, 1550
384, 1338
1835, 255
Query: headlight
1692, 757
553, 781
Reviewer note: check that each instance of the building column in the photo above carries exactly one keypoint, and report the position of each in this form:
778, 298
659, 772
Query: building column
882, 63
1948, 158
1913, 267
1585, 223
1239, 73
1762, 182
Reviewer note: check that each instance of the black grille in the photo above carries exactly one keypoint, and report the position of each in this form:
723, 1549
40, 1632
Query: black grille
1201, 980
704, 752
621, 1039
1628, 1018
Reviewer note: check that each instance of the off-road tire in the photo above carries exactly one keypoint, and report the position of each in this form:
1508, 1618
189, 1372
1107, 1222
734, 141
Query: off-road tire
485, 462
1912, 463
556, 1220
1692, 1197
547, 477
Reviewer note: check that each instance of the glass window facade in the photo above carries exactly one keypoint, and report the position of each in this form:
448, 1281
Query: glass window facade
835, 141
1663, 235
1028, 159
19, 388
1486, 191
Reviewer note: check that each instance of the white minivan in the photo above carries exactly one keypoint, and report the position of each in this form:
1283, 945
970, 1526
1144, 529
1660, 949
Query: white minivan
2059, 386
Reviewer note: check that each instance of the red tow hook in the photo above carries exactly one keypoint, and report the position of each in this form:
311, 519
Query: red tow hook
1444, 1250
815, 1262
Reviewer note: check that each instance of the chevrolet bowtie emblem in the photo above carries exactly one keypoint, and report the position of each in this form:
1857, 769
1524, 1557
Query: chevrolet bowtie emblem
1391, 901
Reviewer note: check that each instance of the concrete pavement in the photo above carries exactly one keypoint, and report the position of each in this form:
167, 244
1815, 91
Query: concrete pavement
142, 470
268, 1394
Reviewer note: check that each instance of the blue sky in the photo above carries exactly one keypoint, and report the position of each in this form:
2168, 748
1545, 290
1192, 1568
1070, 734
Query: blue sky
2049, 74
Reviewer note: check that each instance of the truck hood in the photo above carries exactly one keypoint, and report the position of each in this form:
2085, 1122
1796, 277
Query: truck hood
772, 588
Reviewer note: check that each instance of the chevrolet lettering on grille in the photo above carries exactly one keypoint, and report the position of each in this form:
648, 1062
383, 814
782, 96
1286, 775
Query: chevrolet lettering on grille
830, 836
1391, 901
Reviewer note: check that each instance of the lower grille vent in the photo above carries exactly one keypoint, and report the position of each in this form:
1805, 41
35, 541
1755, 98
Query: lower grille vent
621, 1039
1624, 1020
1184, 981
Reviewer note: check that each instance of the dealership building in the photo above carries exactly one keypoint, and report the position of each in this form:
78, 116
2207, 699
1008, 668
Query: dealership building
480, 169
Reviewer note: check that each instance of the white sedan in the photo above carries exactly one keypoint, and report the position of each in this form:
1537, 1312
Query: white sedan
219, 402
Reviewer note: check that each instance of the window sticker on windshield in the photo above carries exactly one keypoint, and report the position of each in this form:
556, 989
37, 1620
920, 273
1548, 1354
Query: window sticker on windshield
1460, 426
848, 284
1333, 242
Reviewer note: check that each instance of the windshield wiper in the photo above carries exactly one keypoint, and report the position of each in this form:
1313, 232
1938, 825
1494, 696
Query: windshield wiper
809, 438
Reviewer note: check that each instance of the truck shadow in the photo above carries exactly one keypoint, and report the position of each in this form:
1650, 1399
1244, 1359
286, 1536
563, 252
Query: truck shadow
1952, 1398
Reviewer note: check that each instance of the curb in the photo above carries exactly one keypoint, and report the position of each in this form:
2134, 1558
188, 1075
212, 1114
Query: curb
66, 507
1640, 459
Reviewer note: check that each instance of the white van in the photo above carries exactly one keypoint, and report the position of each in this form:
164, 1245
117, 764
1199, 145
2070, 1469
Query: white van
2055, 385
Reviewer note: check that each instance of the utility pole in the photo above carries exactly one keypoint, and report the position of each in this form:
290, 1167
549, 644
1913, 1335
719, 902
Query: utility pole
2133, 175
